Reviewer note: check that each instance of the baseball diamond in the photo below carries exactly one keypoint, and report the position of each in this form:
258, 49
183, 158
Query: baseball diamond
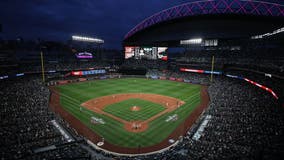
132, 111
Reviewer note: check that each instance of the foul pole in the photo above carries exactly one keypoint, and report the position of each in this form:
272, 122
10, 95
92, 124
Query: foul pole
42, 67
212, 69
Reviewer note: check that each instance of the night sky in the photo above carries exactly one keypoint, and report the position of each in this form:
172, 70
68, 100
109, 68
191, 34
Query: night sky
60, 19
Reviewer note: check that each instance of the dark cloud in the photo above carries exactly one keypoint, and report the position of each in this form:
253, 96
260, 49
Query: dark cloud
59, 19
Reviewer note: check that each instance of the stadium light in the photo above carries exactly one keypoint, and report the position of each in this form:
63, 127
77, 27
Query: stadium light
191, 41
87, 39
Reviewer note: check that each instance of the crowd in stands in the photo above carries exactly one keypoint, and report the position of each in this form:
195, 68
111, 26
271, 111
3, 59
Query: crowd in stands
25, 123
258, 56
66, 66
246, 123
59, 67
191, 77
149, 64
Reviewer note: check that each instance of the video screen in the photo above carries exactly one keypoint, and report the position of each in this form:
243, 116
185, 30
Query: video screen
84, 55
151, 53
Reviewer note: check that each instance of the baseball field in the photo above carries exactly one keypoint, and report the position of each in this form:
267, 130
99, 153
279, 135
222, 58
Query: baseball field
130, 112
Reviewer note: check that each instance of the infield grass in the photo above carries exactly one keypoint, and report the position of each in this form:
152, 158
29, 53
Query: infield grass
123, 109
73, 95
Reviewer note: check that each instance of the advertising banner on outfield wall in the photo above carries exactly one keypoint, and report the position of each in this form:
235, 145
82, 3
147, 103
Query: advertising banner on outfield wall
186, 81
200, 71
163, 78
90, 72
154, 77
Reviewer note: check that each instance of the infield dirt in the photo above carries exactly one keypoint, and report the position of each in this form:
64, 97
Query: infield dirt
98, 104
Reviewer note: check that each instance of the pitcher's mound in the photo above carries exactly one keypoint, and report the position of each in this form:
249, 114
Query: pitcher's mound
134, 108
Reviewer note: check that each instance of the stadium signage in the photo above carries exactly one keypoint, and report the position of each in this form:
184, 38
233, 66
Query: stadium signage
200, 71
213, 72
191, 70
267, 75
84, 55
262, 87
232, 76
20, 74
154, 77
3, 77
255, 83
90, 72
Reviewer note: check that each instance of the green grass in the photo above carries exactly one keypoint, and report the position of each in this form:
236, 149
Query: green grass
73, 95
123, 109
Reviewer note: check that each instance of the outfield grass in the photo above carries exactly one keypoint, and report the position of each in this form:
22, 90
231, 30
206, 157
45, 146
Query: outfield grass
73, 95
